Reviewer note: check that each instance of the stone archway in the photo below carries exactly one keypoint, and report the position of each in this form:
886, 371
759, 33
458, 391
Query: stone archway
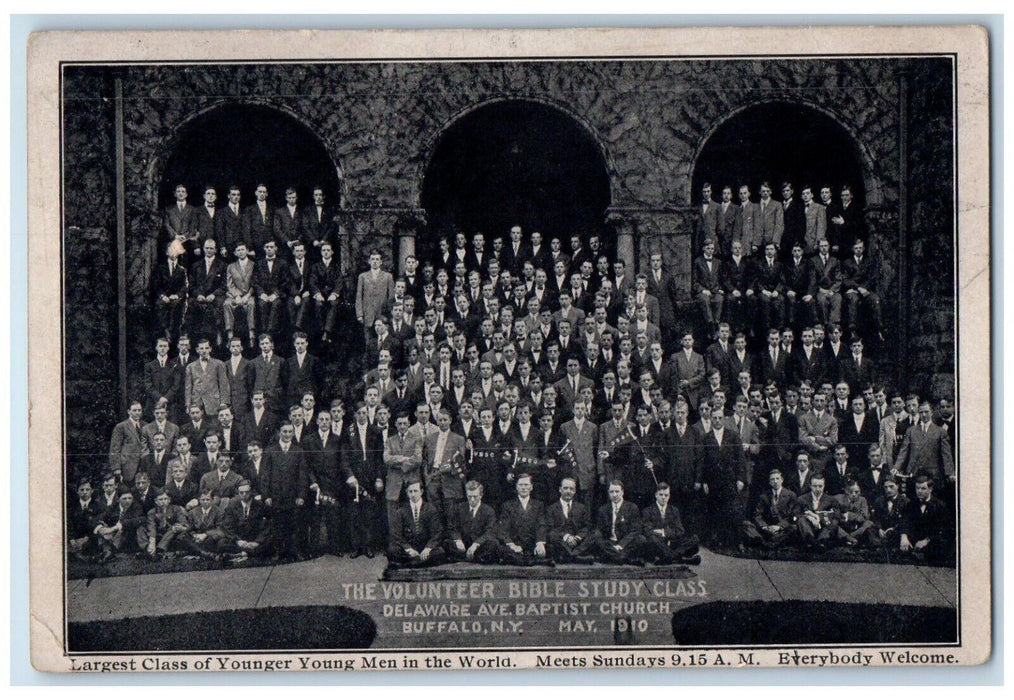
515, 162
779, 141
245, 144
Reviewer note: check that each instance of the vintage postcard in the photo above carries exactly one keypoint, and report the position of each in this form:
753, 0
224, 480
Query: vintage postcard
510, 349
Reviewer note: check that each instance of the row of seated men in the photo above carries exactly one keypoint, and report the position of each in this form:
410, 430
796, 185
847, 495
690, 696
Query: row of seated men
920, 527
528, 531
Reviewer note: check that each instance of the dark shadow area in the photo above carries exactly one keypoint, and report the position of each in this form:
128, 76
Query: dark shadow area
778, 141
869, 555
302, 627
245, 145
496, 572
812, 622
512, 163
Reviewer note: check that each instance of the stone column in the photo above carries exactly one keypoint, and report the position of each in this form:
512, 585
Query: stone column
391, 230
642, 231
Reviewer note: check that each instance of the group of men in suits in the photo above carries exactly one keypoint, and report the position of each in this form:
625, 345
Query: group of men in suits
530, 532
526, 358
279, 266
785, 263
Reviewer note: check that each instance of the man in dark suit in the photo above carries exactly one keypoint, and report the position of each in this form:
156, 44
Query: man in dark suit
473, 530
298, 289
707, 271
775, 362
666, 541
926, 530
817, 516
205, 294
83, 514
890, 508
271, 282
728, 216
522, 527
827, 277
327, 477
155, 464
301, 373
768, 289
179, 224
800, 288
571, 536
284, 488
856, 368
119, 527
794, 221
773, 516
221, 482
722, 479
239, 371
860, 275
737, 283
619, 525
845, 224
144, 492
416, 533
779, 437
245, 525
161, 382
181, 489
807, 363
363, 457
165, 525
329, 290
318, 226
267, 375
256, 221
514, 254
857, 431
206, 216
169, 289
228, 223
662, 286
205, 530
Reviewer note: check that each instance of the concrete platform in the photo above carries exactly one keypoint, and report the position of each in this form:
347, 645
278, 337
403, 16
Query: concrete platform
506, 613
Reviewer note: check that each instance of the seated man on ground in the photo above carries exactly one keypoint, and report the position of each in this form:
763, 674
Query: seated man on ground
855, 527
206, 526
416, 532
889, 510
926, 529
773, 516
245, 525
118, 527
523, 527
473, 529
571, 536
619, 524
166, 522
666, 542
82, 519
817, 516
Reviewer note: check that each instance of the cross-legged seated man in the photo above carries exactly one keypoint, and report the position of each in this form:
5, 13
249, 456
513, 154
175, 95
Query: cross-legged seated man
572, 537
773, 516
619, 524
416, 532
165, 525
523, 527
666, 541
856, 528
817, 516
473, 529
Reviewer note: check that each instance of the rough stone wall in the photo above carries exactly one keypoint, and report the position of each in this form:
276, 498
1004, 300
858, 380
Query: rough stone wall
91, 381
381, 122
931, 284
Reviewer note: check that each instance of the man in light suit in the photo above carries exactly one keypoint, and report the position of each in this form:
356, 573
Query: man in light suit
747, 231
684, 373
816, 220
403, 455
239, 292
581, 433
926, 449
127, 444
162, 425
818, 432
566, 389
706, 219
207, 381
770, 218
374, 289
443, 468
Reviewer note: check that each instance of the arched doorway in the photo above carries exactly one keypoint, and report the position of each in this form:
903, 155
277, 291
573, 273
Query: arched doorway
243, 144
515, 162
779, 141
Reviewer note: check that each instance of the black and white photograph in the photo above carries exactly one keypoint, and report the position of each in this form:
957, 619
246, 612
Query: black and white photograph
490, 350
